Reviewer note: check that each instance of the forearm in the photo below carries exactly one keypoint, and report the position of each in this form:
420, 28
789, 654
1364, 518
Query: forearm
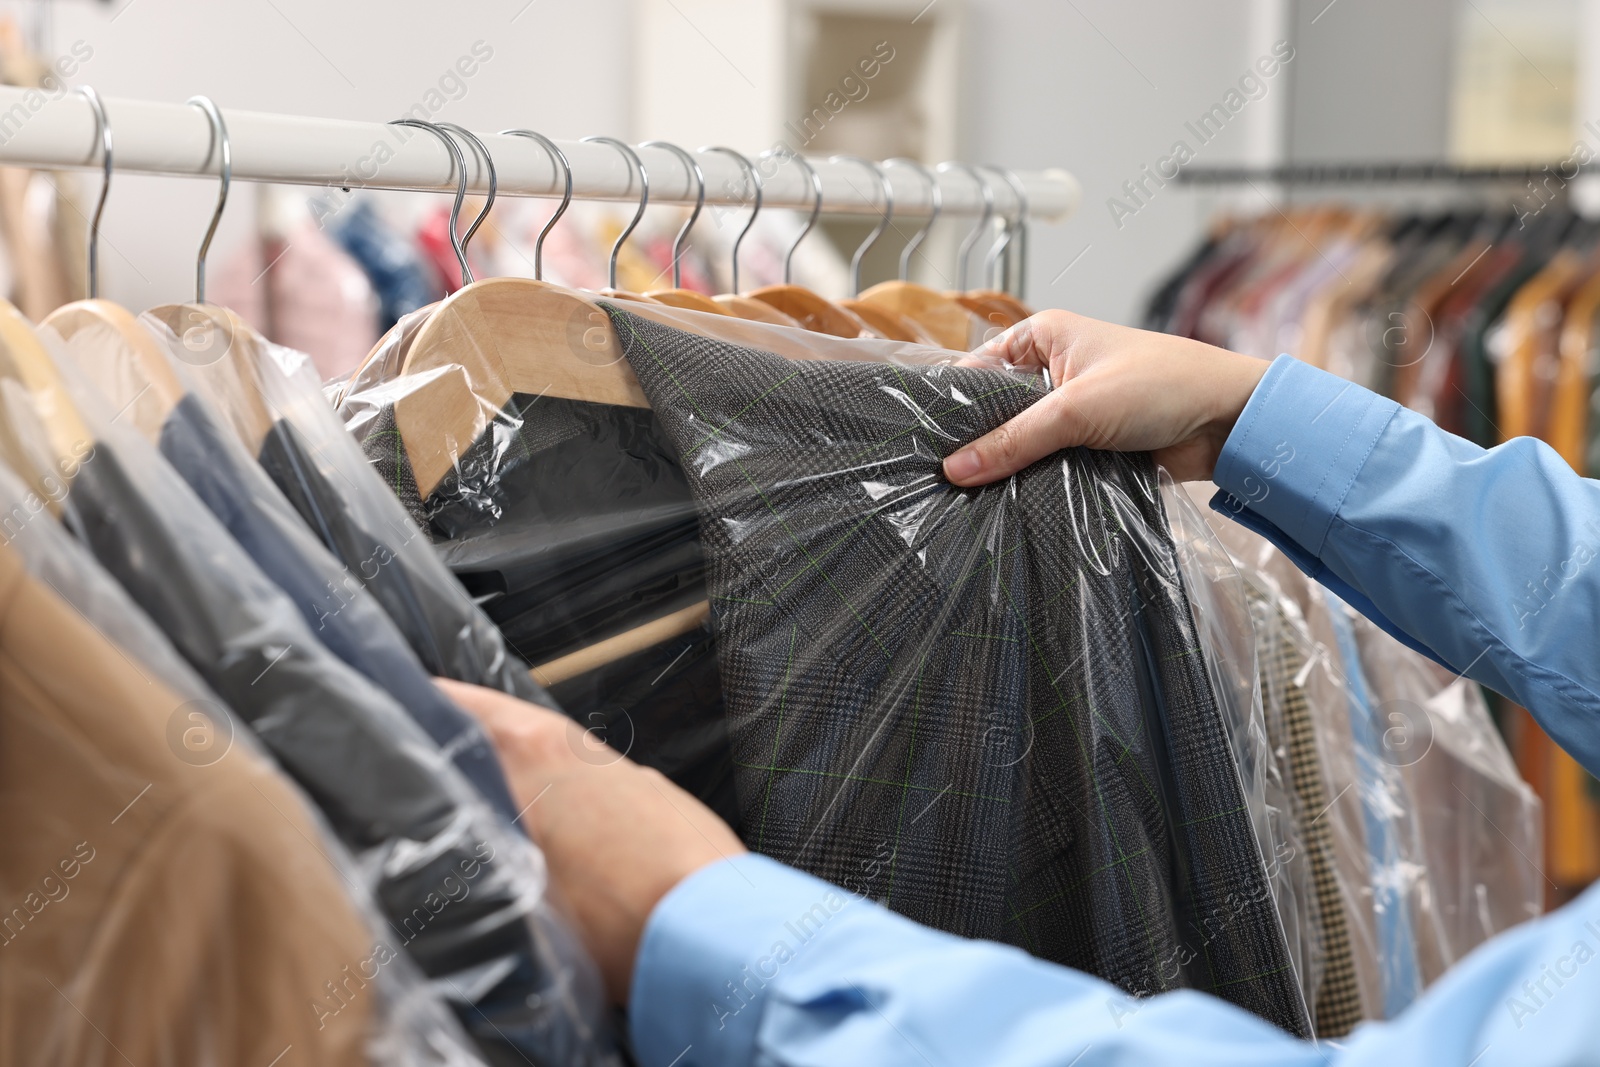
1484, 559
749, 962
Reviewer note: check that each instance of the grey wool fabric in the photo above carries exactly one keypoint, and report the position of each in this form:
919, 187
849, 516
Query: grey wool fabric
986, 709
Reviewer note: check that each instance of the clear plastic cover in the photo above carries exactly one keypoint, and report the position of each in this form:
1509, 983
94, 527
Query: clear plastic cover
462, 892
988, 709
1242, 641
1434, 836
331, 983
1476, 830
322, 472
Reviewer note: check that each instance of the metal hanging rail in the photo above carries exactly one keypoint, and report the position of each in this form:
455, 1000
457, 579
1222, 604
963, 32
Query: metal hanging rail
1377, 173
175, 139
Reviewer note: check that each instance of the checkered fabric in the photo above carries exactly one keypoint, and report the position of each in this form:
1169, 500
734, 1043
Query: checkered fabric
1283, 661
986, 709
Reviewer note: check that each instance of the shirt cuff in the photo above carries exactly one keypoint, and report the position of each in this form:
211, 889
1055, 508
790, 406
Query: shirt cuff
700, 978
1297, 448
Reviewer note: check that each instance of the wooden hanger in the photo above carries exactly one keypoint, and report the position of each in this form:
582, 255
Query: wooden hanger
123, 358
114, 351
809, 310
219, 345
885, 323
517, 336
996, 306
944, 320
67, 441
735, 303
632, 157
224, 351
678, 296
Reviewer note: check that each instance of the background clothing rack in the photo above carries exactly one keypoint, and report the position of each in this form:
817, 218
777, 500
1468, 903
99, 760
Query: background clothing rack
1378, 173
175, 139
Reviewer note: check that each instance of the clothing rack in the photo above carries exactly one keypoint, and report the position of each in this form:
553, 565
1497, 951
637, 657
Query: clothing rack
1377, 173
176, 139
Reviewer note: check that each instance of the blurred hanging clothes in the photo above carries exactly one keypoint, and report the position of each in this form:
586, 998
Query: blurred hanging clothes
403, 279
1483, 321
433, 238
302, 290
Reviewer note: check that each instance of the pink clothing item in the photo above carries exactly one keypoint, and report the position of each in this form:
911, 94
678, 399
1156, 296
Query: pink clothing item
304, 293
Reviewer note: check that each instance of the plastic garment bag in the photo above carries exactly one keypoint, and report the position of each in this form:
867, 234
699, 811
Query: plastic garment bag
321, 471
1435, 837
1245, 657
174, 897
987, 709
463, 892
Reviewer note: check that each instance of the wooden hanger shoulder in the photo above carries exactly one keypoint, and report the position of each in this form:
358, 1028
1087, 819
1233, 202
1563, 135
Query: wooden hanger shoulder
811, 311
946, 321
687, 299
225, 351
1004, 303
491, 340
887, 324
623, 294
756, 311
25, 361
123, 358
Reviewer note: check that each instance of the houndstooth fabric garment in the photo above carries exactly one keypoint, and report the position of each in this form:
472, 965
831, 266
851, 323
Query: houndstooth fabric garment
1283, 659
986, 709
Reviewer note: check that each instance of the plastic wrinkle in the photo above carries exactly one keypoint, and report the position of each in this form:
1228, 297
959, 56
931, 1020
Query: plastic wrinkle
575, 522
461, 891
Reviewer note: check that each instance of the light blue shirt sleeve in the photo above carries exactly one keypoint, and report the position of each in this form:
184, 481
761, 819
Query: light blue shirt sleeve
749, 962
1483, 559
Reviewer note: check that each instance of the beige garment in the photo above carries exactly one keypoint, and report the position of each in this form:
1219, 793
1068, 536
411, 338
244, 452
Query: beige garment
152, 911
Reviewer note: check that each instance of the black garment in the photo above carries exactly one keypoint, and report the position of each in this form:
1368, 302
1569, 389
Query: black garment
448, 633
571, 522
987, 709
335, 607
378, 780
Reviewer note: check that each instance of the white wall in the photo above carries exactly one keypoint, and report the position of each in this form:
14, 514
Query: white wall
1104, 88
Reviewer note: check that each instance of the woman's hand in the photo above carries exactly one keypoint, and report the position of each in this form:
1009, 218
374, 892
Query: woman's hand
1115, 388
616, 836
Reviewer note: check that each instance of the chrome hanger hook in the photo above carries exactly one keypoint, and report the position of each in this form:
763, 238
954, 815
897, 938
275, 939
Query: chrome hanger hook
488, 160
964, 254
936, 195
103, 128
559, 157
994, 267
219, 133
883, 223
816, 211
755, 180
461, 189
692, 166
644, 199
1021, 192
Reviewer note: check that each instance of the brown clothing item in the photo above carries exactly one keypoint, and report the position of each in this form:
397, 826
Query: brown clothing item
153, 911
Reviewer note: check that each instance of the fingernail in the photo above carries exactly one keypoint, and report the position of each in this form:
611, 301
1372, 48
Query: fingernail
962, 465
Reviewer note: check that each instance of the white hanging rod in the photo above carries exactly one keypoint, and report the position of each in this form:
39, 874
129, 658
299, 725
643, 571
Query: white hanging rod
175, 139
